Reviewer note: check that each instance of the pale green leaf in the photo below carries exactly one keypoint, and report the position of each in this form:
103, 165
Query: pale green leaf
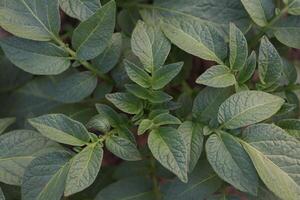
5, 123
248, 70
294, 7
230, 161
80, 9
238, 48
269, 63
137, 74
192, 134
248, 107
165, 119
163, 75
150, 45
126, 102
218, 76
40, 58
45, 177
92, 36
168, 147
18, 149
24, 18
145, 125
84, 168
60, 128
122, 148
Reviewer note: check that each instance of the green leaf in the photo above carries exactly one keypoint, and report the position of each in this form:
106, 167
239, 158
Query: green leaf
230, 161
150, 45
291, 126
145, 125
122, 148
289, 72
109, 114
199, 40
248, 107
208, 101
218, 76
2, 197
164, 143
24, 19
294, 7
193, 136
269, 63
61, 128
274, 154
138, 188
108, 59
92, 36
259, 10
40, 58
18, 149
149, 95
45, 177
84, 168
99, 123
80, 9
165, 119
5, 123
202, 183
126, 102
238, 48
286, 31
248, 70
137, 74
162, 76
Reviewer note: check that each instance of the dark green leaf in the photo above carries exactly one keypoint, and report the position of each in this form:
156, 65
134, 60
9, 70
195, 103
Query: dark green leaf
5, 123
248, 70
291, 126
137, 74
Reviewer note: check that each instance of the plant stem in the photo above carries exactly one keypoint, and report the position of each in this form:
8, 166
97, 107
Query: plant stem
154, 179
84, 63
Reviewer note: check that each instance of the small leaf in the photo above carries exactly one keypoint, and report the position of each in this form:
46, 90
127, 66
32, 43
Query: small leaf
84, 168
269, 63
40, 58
230, 161
80, 9
218, 76
145, 125
238, 48
164, 143
294, 7
24, 19
109, 114
45, 177
162, 76
248, 70
291, 126
99, 123
122, 148
289, 72
193, 136
61, 128
92, 36
165, 119
5, 123
126, 102
150, 45
149, 95
18, 149
248, 107
137, 74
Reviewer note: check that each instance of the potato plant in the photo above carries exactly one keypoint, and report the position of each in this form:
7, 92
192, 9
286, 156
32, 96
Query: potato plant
149, 100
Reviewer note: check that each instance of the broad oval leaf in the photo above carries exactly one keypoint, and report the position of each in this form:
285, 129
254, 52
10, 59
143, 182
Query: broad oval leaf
165, 119
137, 74
192, 134
80, 9
150, 45
248, 107
99, 123
122, 148
5, 123
40, 58
84, 168
218, 76
275, 155
60, 128
45, 177
144, 125
92, 36
126, 102
18, 149
24, 19
230, 161
164, 143
269, 62
238, 48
